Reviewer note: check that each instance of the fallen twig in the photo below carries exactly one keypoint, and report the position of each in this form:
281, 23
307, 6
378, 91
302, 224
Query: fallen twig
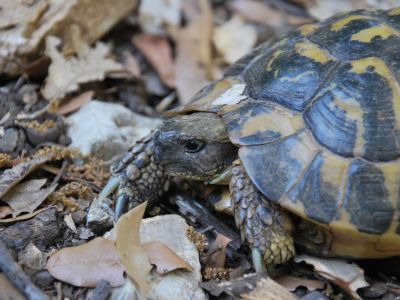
17, 277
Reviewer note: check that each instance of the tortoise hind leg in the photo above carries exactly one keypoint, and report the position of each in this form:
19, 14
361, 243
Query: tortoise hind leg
313, 239
265, 226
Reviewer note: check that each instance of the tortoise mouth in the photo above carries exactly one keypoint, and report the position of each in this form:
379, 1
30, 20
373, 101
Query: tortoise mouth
216, 176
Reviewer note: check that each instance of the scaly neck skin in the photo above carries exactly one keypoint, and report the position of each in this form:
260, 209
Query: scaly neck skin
141, 178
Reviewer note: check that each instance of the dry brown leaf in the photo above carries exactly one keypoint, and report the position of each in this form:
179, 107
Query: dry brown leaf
27, 196
193, 59
5, 211
164, 258
23, 217
11, 177
234, 39
75, 103
65, 74
85, 265
131, 253
216, 253
321, 9
349, 276
158, 52
258, 11
291, 283
268, 289
131, 64
8, 291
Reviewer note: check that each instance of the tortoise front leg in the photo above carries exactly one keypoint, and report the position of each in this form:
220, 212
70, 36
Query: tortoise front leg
265, 226
140, 177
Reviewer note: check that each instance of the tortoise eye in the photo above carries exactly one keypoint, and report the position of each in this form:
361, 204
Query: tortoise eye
193, 146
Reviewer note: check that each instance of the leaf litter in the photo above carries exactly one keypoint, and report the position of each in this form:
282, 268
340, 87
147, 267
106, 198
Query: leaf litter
187, 44
65, 74
85, 265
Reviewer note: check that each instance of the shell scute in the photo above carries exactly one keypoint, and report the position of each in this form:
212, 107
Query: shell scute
254, 123
283, 163
289, 75
367, 198
357, 112
358, 34
321, 189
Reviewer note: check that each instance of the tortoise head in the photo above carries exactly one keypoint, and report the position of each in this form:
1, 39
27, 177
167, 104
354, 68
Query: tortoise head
194, 146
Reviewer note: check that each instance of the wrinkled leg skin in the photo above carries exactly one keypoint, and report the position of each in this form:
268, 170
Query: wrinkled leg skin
140, 178
266, 227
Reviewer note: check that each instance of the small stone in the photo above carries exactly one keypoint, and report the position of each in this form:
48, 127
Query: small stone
43, 279
315, 295
100, 217
79, 216
85, 234
32, 257
9, 141
105, 129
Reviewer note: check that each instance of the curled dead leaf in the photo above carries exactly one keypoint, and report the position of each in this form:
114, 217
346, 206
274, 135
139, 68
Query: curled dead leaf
193, 59
258, 11
11, 177
291, 283
23, 217
27, 196
269, 289
131, 253
349, 276
131, 64
5, 211
24, 24
85, 265
216, 253
75, 103
158, 52
234, 39
65, 74
164, 258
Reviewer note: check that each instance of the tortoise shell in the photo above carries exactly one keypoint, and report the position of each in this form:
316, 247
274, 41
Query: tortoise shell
316, 115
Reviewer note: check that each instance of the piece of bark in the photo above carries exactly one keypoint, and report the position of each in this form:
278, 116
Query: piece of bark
42, 231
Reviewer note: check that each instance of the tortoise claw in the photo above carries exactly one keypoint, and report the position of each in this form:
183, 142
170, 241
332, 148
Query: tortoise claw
121, 205
258, 260
111, 185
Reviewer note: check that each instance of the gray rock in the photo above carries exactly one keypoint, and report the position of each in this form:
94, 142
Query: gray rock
100, 217
105, 129
8, 142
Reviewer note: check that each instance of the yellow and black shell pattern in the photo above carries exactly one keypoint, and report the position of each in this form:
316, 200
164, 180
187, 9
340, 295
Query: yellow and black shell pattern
318, 126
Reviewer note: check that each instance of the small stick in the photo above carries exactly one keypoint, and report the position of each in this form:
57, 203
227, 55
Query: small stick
17, 277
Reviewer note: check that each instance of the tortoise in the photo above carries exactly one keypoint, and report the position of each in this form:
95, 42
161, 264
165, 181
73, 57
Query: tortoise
305, 129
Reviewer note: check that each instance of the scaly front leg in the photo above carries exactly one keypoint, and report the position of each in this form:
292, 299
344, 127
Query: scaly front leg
139, 177
265, 226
